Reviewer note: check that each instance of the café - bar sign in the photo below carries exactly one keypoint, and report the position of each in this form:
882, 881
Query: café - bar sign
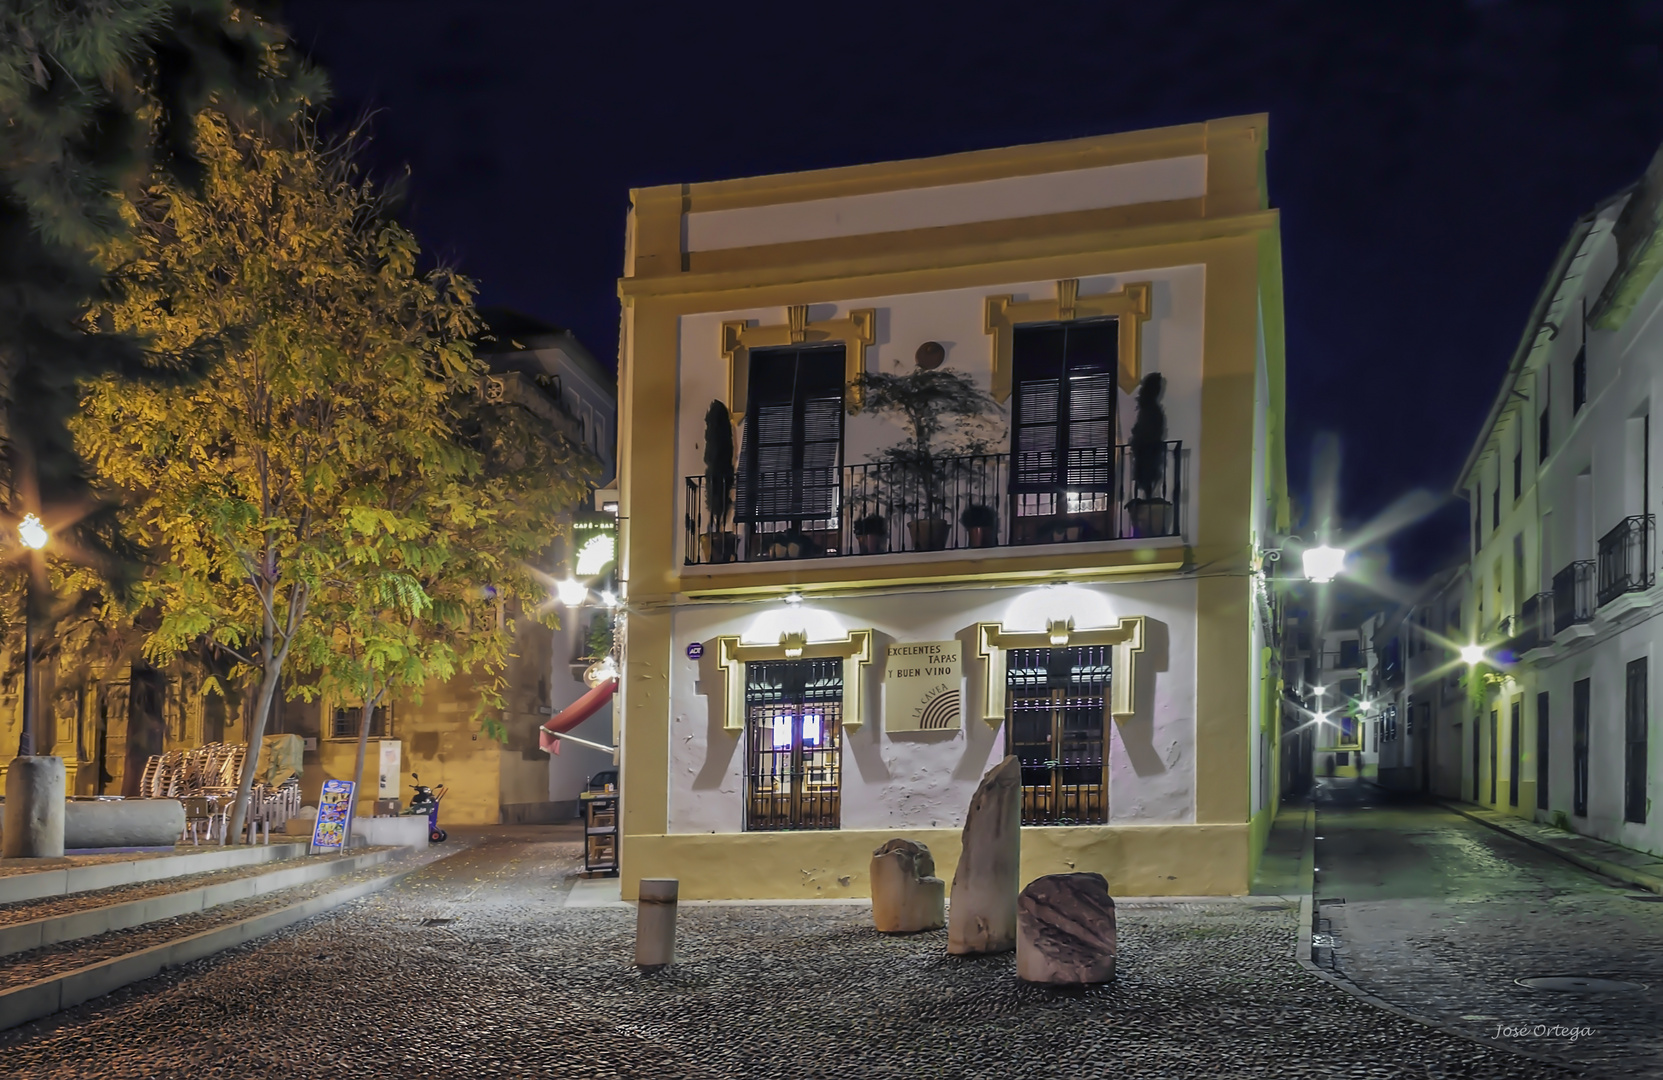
921, 686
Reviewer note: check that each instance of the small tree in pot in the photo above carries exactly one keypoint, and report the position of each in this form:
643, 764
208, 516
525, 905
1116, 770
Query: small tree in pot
872, 533
981, 525
923, 401
1150, 513
718, 542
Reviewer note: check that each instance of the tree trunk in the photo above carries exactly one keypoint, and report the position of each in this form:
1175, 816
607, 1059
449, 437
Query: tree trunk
363, 744
262, 711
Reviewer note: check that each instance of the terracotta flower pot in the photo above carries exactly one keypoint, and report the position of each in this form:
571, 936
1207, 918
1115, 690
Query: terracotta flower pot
928, 534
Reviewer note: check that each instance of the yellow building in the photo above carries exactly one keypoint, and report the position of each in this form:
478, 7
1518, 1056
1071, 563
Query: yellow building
834, 634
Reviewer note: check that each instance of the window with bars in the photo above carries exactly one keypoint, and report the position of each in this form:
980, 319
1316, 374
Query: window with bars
1635, 715
792, 455
1056, 726
344, 723
1581, 707
1063, 417
793, 744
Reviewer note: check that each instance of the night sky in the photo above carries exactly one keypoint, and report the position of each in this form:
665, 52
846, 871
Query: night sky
1428, 158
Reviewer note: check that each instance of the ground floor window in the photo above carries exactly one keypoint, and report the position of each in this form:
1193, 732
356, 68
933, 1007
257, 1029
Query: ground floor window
1495, 723
793, 744
1056, 726
1581, 706
1635, 715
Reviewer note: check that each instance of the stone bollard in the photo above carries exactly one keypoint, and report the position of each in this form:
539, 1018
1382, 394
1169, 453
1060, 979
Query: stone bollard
1065, 931
655, 923
982, 917
34, 822
906, 895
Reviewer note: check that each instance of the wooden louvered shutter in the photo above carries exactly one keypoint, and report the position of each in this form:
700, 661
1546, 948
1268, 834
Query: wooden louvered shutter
1091, 401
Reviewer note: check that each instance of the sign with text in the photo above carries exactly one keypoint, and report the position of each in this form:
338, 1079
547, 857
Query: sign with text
334, 811
921, 686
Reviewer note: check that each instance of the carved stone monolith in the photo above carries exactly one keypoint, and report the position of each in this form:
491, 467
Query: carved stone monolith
906, 895
1065, 930
982, 917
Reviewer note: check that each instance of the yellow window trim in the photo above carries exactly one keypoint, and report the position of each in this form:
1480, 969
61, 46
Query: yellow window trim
855, 650
1126, 636
1003, 314
856, 332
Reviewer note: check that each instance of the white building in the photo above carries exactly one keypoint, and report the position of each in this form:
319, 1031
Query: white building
1564, 551
835, 652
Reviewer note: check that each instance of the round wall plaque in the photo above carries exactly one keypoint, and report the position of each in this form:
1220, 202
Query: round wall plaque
930, 355
694, 651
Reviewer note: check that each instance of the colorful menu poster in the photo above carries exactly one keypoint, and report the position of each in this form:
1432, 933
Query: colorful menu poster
334, 814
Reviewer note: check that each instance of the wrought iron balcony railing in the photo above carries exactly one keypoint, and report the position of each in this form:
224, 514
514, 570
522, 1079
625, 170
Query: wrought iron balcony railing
1573, 595
1626, 563
1535, 624
948, 503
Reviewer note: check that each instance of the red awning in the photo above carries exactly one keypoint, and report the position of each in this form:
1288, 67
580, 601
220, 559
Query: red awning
574, 714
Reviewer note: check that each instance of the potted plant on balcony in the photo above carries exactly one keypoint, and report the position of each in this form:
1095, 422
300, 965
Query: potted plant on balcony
872, 534
981, 525
1149, 512
719, 544
920, 466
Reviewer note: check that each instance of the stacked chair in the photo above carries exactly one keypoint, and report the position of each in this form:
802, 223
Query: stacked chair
205, 781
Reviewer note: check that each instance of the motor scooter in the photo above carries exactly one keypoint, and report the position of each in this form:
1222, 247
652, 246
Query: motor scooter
426, 801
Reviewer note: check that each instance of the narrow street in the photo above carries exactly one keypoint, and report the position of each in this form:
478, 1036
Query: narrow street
1441, 915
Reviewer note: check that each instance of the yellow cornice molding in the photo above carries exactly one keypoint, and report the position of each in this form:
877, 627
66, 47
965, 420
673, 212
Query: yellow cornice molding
1001, 315
855, 331
1125, 637
732, 655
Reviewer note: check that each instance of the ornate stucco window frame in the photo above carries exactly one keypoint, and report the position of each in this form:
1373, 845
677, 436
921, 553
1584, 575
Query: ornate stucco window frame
856, 331
1125, 636
855, 650
1003, 314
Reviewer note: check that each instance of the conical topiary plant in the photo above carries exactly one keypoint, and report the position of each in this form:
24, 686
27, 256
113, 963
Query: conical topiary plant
1150, 511
718, 482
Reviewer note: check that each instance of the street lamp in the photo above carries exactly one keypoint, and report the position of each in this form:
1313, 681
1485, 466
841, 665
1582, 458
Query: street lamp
1323, 563
571, 592
1472, 655
32, 534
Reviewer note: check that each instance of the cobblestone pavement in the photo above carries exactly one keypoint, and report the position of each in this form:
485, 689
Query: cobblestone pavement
474, 967
1441, 915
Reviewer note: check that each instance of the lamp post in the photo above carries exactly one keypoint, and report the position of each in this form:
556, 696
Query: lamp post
32, 534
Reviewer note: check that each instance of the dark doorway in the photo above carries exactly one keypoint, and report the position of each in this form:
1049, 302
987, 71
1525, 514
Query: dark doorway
146, 723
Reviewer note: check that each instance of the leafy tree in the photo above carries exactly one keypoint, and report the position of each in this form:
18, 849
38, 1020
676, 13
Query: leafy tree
93, 97
925, 400
302, 482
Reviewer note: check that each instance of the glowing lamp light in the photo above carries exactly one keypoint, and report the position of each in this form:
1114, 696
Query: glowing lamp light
571, 592
793, 598
600, 671
609, 599
1323, 563
31, 532
1472, 654
1322, 718
596, 553
1319, 690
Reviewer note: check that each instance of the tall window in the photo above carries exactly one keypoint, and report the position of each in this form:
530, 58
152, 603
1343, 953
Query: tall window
793, 744
1056, 729
1063, 421
1348, 653
1514, 724
1543, 743
1542, 428
1475, 774
1635, 715
793, 448
1495, 506
1581, 705
1518, 470
1579, 380
1519, 592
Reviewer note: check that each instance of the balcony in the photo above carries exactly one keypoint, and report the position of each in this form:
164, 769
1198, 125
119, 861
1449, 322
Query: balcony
1534, 629
1573, 595
1625, 558
952, 504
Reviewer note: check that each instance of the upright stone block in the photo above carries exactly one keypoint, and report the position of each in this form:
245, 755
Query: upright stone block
655, 923
1065, 931
906, 895
34, 821
982, 918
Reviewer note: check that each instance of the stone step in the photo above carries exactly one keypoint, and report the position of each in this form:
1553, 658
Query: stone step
28, 879
44, 980
52, 920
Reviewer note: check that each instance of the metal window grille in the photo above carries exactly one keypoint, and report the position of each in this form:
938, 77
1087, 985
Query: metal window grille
1634, 743
1056, 728
344, 724
1581, 707
793, 744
